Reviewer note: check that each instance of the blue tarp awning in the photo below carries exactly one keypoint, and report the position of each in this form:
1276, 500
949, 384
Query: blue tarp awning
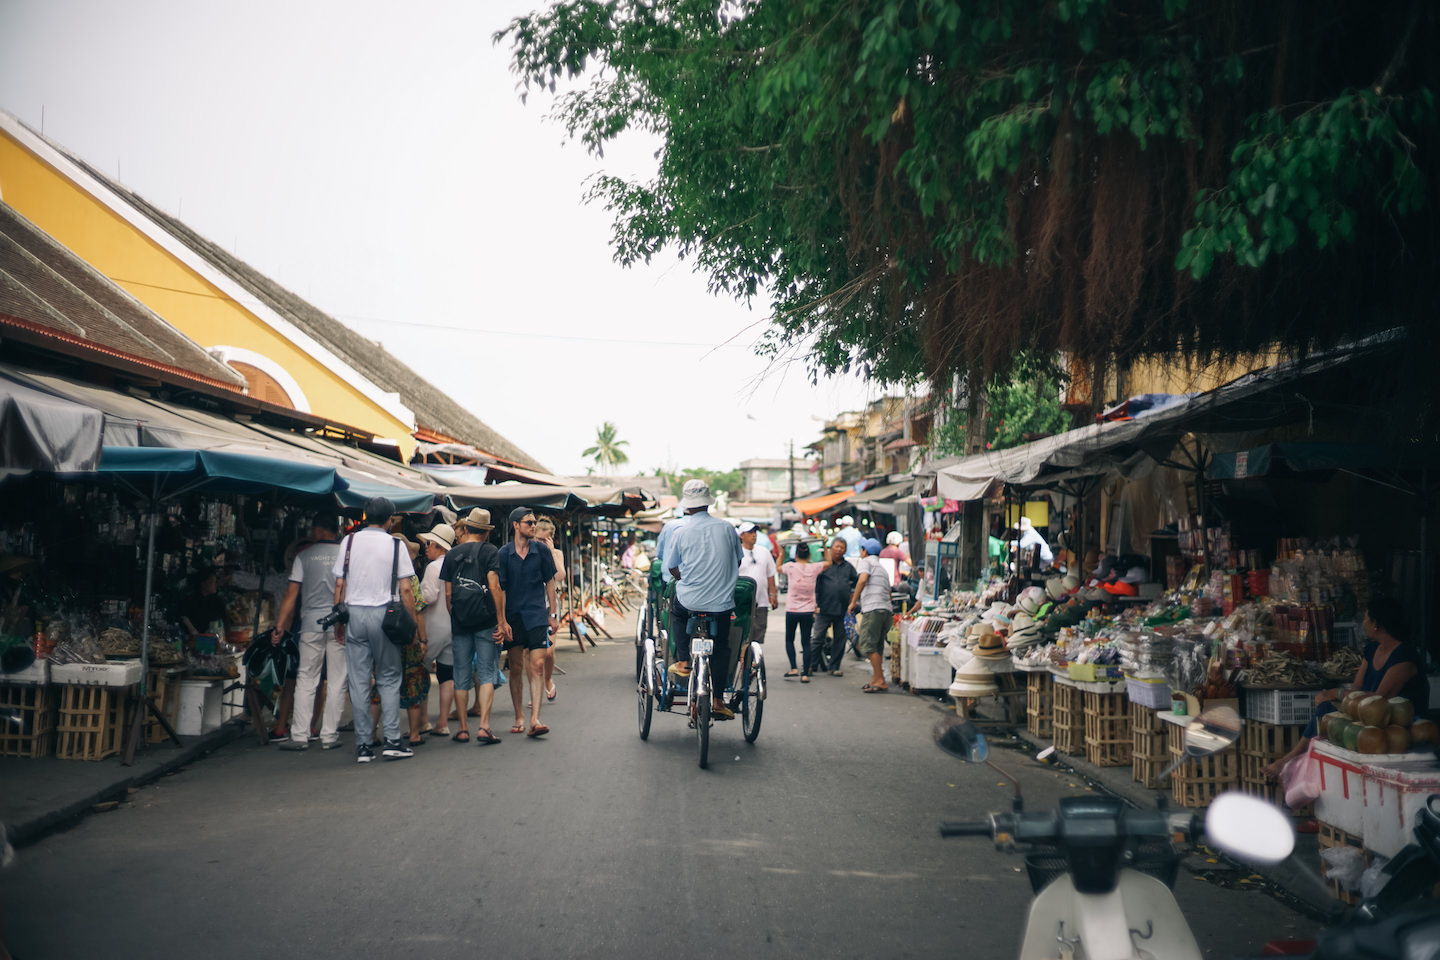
357, 490
171, 470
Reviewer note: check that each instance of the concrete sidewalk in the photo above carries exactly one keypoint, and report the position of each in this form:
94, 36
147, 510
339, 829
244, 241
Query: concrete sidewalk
38, 796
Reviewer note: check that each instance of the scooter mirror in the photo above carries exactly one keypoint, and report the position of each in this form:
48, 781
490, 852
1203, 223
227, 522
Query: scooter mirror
1212, 731
1249, 829
962, 740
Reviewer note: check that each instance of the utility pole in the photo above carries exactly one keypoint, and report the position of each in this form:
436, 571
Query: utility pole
792, 471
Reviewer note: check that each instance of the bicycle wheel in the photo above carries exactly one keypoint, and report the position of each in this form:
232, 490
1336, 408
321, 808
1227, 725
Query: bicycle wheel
640, 640
646, 705
702, 726
752, 708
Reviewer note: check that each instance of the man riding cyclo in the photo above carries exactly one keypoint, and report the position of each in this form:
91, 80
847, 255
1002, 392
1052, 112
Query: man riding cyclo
703, 557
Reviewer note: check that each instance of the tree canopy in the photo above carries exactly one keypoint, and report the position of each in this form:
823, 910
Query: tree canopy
922, 187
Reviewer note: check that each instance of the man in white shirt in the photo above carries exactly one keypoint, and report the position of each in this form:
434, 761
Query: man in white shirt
370, 567
312, 591
759, 565
850, 535
871, 600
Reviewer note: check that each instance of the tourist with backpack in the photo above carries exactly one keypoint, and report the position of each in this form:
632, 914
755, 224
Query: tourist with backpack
476, 604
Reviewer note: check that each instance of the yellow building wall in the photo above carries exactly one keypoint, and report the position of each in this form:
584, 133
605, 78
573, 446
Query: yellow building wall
203, 313
1173, 375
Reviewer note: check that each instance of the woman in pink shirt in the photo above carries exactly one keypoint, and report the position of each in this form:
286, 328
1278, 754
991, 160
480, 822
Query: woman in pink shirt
800, 608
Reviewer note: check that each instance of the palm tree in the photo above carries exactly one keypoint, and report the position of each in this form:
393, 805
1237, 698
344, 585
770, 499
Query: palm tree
607, 453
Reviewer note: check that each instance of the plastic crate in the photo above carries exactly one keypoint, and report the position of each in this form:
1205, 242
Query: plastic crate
1281, 707
1094, 672
1154, 694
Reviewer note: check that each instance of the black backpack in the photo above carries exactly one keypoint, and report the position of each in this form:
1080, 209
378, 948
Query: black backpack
471, 605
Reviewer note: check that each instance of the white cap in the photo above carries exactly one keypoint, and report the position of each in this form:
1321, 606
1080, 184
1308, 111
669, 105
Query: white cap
695, 494
847, 521
746, 527
893, 538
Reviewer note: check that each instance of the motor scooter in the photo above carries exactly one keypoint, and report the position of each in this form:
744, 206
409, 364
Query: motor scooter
1102, 872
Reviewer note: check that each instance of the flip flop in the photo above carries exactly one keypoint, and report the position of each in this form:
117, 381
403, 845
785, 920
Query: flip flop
539, 730
552, 693
790, 673
518, 728
416, 743
484, 737
439, 731
871, 688
461, 736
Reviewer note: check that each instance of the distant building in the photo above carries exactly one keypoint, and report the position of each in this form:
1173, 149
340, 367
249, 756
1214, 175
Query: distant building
768, 481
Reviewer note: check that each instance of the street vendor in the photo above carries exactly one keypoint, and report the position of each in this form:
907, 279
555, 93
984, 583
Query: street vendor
203, 611
1388, 667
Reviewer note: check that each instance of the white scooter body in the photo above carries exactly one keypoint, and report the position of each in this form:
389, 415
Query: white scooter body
1097, 926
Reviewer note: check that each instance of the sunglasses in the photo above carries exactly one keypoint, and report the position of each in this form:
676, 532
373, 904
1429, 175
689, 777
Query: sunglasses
528, 523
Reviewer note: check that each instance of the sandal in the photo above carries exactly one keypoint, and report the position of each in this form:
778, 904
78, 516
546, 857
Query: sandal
484, 737
873, 688
416, 743
518, 728
539, 730
804, 678
790, 673
461, 736
551, 693
439, 731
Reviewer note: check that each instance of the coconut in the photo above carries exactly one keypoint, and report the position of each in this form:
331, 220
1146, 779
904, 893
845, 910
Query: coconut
1402, 711
1424, 731
1350, 706
1375, 712
1352, 736
1371, 740
1398, 738
1335, 732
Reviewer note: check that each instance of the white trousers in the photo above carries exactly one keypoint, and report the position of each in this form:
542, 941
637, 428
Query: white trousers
315, 649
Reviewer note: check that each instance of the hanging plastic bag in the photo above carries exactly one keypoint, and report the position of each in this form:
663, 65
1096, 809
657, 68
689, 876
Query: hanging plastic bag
1301, 778
1344, 866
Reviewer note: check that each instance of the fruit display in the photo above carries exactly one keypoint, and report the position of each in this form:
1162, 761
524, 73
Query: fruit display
1371, 724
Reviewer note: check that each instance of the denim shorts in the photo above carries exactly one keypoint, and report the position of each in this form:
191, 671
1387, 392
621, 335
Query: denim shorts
480, 650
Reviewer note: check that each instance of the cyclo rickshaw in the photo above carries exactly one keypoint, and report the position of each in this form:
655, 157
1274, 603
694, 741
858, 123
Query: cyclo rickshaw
741, 680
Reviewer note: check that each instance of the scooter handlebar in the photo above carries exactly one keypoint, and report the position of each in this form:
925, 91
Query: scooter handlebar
967, 828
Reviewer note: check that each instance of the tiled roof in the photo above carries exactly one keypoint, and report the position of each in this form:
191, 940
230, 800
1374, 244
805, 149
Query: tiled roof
434, 410
50, 290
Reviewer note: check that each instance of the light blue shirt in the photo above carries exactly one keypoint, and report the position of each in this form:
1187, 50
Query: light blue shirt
663, 542
707, 551
852, 539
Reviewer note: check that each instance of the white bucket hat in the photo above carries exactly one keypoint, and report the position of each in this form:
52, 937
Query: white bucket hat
696, 493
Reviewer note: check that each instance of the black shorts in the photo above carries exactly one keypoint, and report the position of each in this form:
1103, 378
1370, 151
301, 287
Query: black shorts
444, 672
531, 638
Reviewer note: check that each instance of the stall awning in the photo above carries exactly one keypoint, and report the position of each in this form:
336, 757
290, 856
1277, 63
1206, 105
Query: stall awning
42, 431
162, 471
1305, 457
821, 503
1130, 447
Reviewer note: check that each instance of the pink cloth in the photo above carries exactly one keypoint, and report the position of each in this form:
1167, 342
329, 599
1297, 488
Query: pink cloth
800, 594
896, 554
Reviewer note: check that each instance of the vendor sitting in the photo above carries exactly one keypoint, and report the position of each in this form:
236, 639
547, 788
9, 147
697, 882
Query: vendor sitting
203, 608
1388, 668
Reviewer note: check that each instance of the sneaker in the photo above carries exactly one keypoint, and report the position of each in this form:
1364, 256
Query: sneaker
681, 669
364, 753
396, 750
314, 736
294, 745
329, 745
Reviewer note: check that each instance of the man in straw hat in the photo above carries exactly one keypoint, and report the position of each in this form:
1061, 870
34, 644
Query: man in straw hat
364, 582
473, 564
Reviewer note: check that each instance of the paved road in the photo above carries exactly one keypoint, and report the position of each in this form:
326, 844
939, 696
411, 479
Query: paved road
817, 841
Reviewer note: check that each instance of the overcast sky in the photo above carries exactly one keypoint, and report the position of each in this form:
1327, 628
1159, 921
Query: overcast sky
377, 160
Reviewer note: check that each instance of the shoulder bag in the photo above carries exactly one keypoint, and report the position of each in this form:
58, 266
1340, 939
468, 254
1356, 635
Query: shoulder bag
399, 625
